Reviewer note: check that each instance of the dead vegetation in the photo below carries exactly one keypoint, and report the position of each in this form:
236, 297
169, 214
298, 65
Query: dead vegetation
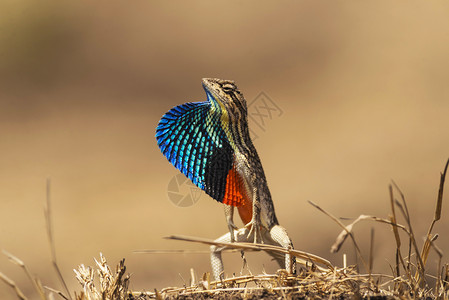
316, 278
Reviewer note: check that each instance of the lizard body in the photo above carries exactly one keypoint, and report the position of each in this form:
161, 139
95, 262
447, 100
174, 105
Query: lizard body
234, 120
210, 143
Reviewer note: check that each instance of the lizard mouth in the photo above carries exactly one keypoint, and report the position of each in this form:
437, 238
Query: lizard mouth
223, 93
210, 85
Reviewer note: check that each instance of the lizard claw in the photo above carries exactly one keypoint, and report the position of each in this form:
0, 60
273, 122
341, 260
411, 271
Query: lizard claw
232, 227
254, 229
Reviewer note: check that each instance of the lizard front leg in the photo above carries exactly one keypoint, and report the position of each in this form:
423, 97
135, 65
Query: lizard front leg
229, 213
255, 223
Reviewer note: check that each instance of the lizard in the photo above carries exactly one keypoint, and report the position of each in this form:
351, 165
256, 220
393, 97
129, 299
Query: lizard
210, 143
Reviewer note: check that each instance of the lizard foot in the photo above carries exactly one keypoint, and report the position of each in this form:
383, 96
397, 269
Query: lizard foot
254, 230
232, 227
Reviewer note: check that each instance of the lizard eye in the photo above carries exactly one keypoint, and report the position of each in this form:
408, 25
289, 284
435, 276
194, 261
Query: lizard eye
228, 87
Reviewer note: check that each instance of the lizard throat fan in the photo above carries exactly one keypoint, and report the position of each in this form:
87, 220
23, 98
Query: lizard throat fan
194, 137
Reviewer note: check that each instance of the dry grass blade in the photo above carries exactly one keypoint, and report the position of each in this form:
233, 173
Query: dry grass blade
14, 259
446, 276
398, 204
259, 247
393, 218
341, 238
399, 257
47, 212
435, 247
37, 285
438, 284
404, 209
359, 253
348, 229
56, 292
437, 216
371, 250
440, 193
176, 251
192, 277
13, 285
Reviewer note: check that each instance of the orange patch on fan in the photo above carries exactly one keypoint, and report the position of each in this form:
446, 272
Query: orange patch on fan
246, 211
235, 195
235, 189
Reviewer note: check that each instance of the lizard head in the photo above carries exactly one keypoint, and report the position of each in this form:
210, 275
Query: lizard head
224, 95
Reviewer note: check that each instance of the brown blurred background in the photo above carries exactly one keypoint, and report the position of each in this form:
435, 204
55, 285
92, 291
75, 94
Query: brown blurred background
363, 87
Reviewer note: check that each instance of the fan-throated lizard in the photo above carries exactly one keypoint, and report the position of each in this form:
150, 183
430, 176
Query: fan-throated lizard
210, 143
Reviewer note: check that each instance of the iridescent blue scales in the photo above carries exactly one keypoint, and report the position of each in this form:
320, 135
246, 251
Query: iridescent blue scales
192, 138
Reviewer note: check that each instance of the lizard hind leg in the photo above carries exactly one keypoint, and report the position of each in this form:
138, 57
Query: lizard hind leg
229, 213
278, 236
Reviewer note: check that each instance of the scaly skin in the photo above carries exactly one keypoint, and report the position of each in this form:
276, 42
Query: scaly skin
235, 123
261, 221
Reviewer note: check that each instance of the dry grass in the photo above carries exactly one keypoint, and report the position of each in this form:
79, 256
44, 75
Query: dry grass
108, 285
317, 277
